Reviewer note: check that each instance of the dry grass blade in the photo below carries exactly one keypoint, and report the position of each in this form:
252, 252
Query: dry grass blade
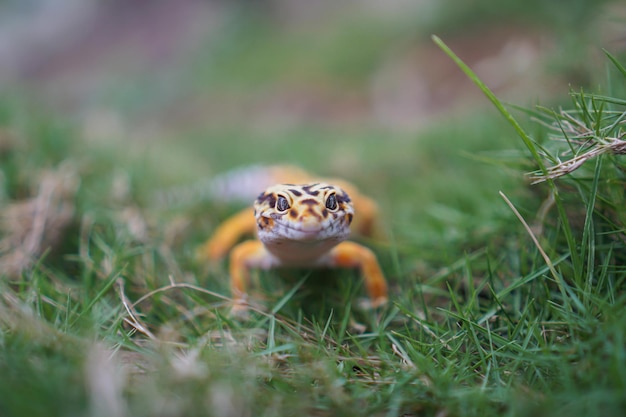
543, 253
178, 285
32, 226
133, 320
589, 143
616, 146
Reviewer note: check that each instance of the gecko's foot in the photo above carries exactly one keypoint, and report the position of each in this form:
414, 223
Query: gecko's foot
239, 309
379, 302
369, 304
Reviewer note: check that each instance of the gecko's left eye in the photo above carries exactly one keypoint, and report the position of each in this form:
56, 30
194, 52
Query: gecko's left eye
282, 204
331, 202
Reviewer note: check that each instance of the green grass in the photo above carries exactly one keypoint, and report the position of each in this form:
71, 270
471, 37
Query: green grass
115, 316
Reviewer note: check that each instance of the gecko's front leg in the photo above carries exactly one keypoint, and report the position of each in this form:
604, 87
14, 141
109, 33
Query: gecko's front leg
245, 256
353, 255
227, 235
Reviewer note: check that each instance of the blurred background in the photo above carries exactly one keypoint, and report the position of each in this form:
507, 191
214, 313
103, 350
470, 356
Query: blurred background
178, 92
146, 69
107, 105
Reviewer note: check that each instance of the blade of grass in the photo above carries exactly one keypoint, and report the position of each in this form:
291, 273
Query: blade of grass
327, 325
607, 99
617, 64
271, 340
107, 286
529, 278
558, 279
288, 296
344, 324
276, 349
494, 100
576, 260
588, 241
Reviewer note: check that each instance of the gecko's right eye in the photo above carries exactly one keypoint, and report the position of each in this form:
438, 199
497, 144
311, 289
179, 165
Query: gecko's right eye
331, 202
282, 204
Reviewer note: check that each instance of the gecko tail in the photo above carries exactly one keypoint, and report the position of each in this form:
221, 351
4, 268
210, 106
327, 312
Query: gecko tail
237, 186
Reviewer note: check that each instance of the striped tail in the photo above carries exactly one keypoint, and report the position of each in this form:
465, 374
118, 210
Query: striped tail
239, 186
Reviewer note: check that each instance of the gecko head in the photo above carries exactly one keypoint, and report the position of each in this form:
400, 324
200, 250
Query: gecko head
309, 212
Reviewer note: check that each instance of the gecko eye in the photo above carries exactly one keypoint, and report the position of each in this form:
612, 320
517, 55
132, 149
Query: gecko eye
282, 204
331, 202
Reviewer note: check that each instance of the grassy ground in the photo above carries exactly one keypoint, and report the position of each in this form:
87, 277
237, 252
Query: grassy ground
105, 311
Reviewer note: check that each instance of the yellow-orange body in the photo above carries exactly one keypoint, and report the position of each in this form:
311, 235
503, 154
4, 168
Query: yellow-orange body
300, 221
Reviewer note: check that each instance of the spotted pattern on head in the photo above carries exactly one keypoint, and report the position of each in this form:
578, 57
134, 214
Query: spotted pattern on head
308, 212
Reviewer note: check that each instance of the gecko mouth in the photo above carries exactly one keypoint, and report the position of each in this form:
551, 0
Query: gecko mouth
307, 233
307, 230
